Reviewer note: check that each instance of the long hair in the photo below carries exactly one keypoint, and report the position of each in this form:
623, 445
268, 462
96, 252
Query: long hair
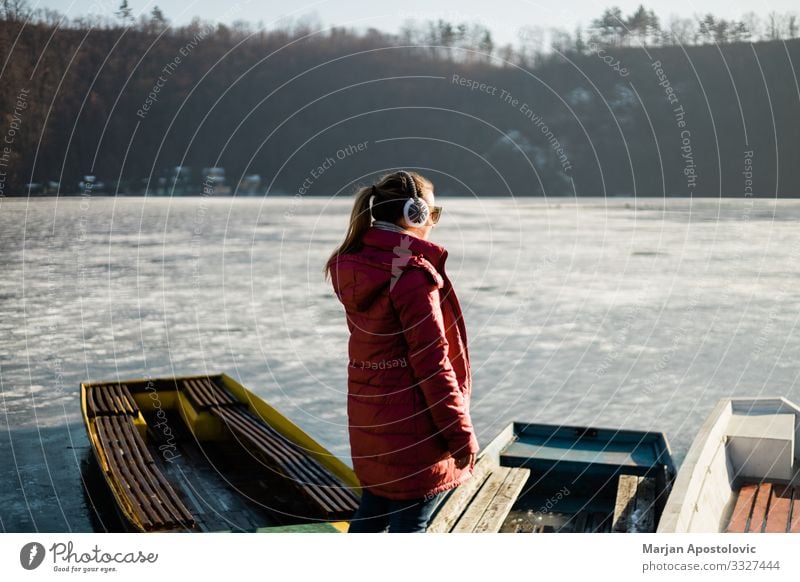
391, 193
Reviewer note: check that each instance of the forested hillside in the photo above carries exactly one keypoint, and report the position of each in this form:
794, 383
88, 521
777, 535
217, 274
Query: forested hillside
698, 107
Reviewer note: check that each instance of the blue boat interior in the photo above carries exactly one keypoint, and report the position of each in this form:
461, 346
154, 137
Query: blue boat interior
575, 470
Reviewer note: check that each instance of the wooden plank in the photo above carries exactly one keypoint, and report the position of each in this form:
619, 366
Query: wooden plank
743, 508
116, 399
99, 404
139, 484
289, 453
477, 507
455, 504
188, 390
290, 461
215, 397
163, 492
104, 407
128, 403
625, 502
760, 508
289, 468
242, 429
198, 394
634, 509
91, 403
223, 396
498, 509
794, 527
133, 408
322, 477
645, 513
124, 479
133, 434
110, 405
779, 507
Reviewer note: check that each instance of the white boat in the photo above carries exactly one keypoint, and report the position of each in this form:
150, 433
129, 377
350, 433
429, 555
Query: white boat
741, 473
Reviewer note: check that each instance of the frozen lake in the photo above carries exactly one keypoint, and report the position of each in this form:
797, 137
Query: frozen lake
616, 313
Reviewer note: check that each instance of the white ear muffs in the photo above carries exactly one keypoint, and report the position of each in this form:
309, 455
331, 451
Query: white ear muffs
415, 210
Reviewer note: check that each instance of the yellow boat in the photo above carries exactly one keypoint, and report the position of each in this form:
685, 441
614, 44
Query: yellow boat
203, 453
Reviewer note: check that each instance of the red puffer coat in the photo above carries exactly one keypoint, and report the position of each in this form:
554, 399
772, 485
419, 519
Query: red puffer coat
409, 380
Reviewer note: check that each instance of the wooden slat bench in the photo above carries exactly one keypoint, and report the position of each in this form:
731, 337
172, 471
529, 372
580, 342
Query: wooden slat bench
766, 508
334, 499
147, 493
203, 393
483, 502
110, 399
634, 510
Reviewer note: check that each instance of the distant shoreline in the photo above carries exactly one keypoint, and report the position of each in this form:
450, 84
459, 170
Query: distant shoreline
441, 195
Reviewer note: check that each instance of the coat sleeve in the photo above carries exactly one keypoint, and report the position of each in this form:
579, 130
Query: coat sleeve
416, 300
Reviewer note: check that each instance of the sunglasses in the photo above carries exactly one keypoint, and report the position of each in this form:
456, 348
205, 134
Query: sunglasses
436, 214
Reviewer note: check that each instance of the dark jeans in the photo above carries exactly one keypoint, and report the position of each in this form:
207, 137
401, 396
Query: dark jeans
376, 513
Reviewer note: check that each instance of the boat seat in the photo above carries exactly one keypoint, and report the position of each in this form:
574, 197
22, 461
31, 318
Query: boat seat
310, 478
483, 502
110, 399
146, 492
203, 394
766, 508
635, 506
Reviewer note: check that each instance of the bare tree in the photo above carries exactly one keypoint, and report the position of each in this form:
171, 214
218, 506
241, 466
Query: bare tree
791, 25
531, 44
773, 31
15, 10
680, 31
752, 21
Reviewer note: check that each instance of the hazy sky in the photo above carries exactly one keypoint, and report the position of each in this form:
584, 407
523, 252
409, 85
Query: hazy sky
504, 17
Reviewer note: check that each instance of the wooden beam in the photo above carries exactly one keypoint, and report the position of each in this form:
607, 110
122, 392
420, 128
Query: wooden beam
452, 507
625, 502
634, 510
500, 506
743, 508
646, 506
760, 508
778, 516
469, 519
794, 527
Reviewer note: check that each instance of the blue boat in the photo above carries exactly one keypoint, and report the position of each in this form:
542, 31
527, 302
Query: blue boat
540, 478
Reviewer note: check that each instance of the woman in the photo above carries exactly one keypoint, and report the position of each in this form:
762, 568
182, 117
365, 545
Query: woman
409, 381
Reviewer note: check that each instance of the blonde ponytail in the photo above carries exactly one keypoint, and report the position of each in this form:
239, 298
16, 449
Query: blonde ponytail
360, 221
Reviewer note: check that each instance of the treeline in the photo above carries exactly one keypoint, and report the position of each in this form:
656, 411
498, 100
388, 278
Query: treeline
698, 106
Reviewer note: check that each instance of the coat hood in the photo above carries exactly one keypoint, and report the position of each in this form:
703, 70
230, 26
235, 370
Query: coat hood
358, 278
